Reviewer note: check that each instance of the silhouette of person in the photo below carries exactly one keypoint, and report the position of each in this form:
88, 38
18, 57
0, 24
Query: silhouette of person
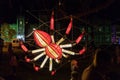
74, 70
13, 61
100, 67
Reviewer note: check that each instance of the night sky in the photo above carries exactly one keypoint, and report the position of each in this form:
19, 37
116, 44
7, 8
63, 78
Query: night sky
92, 11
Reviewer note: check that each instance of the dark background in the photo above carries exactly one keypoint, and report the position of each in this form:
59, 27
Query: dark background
95, 12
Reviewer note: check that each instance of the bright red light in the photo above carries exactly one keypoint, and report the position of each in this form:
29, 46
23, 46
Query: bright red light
79, 38
36, 68
27, 59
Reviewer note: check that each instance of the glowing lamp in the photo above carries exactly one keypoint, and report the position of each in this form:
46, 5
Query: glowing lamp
42, 38
54, 51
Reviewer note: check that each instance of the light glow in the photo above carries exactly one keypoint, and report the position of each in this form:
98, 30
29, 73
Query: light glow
66, 56
27, 59
52, 21
36, 68
57, 61
44, 61
42, 38
68, 52
69, 27
49, 48
50, 63
39, 56
66, 45
52, 37
60, 41
82, 51
38, 50
24, 48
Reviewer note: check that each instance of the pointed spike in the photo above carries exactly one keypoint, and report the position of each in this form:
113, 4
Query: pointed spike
52, 21
69, 27
82, 51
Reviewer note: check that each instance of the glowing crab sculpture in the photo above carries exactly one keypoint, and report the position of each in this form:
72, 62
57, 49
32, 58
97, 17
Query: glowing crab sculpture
49, 48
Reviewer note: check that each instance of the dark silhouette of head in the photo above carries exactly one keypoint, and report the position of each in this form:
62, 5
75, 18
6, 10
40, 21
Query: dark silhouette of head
102, 57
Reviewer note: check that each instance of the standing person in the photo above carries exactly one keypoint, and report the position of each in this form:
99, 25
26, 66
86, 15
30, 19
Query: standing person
100, 67
13, 61
74, 70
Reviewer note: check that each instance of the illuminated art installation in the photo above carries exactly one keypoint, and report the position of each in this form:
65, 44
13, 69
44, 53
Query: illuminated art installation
49, 48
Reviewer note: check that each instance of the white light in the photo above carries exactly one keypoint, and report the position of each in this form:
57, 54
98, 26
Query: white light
68, 52
66, 46
44, 61
38, 50
21, 37
40, 40
20, 22
52, 51
57, 60
60, 41
64, 55
29, 34
39, 56
50, 64
52, 37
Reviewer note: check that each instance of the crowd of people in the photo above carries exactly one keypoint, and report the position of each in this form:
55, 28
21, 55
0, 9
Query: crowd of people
104, 65
12, 60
